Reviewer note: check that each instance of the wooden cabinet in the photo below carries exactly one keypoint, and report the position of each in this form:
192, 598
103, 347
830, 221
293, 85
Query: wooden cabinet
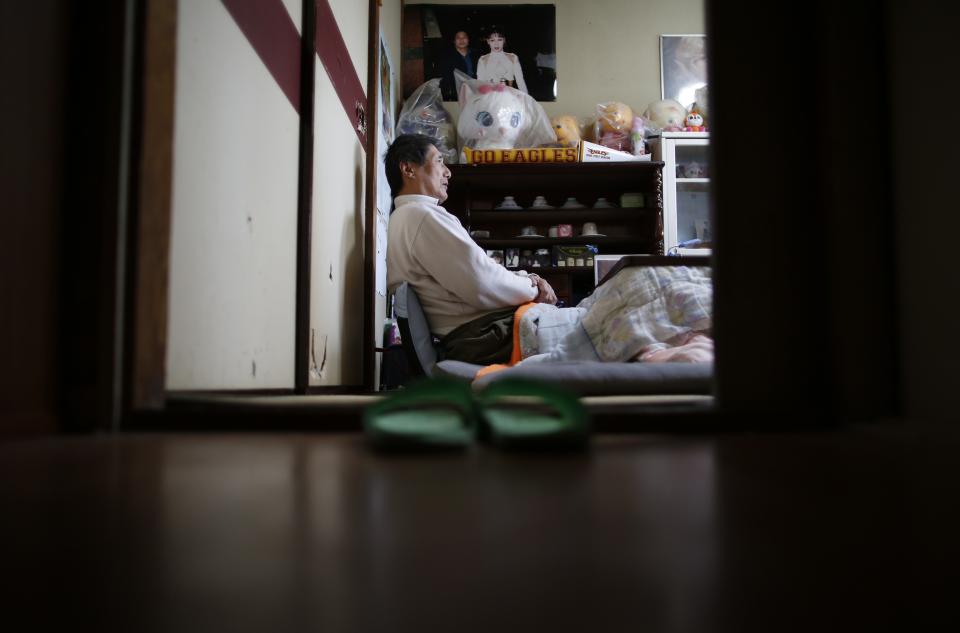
686, 196
475, 190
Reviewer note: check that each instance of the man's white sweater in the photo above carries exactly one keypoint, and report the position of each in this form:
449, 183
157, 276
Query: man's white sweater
453, 277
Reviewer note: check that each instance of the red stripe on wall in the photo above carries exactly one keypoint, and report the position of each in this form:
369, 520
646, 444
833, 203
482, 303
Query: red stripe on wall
275, 38
336, 61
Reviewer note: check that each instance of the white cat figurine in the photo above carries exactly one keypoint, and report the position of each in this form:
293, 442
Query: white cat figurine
492, 117
495, 116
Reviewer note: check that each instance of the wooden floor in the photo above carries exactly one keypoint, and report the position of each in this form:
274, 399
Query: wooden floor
854, 530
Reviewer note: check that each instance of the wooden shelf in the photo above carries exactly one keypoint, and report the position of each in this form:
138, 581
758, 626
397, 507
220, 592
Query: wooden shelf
546, 242
555, 269
474, 190
559, 215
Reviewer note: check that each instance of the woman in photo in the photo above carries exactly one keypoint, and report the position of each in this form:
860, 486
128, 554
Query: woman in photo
498, 66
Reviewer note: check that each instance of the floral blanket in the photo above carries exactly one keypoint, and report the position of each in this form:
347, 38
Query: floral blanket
643, 309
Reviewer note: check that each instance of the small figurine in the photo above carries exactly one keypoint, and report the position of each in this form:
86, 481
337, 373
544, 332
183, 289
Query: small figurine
694, 170
694, 123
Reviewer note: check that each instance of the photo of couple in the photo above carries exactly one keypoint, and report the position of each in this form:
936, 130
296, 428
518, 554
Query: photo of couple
492, 43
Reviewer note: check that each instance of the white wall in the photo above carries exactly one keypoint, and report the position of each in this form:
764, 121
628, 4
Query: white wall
608, 50
233, 239
339, 164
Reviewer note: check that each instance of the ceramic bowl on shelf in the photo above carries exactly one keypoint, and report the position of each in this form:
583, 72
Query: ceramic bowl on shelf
479, 233
603, 203
508, 204
590, 229
540, 204
529, 231
572, 203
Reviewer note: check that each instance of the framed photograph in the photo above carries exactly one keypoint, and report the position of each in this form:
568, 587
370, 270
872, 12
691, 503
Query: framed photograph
496, 255
387, 98
683, 67
513, 44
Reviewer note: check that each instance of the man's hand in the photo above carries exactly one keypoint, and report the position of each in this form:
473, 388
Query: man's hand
545, 293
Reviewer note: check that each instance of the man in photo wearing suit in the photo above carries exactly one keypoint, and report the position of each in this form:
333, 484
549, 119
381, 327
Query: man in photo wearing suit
461, 57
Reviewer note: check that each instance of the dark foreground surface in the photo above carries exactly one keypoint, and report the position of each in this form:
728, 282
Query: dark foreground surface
845, 530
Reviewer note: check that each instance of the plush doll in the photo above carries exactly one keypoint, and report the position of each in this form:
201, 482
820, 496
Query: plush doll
694, 123
495, 116
667, 114
567, 129
613, 125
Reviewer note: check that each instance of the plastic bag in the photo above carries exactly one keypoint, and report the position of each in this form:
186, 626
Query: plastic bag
613, 126
496, 116
423, 113
637, 136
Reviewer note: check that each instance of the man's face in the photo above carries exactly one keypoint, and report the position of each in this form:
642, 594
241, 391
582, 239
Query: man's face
461, 41
430, 178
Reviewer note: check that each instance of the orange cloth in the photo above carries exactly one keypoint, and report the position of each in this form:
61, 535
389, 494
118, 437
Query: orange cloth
516, 353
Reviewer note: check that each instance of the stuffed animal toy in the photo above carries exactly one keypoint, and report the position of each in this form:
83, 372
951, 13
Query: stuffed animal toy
567, 129
496, 116
693, 170
613, 125
667, 114
694, 123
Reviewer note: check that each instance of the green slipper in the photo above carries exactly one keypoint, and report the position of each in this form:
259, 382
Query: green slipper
521, 413
431, 413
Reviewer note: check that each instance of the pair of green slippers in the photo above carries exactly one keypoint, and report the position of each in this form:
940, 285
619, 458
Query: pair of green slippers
444, 413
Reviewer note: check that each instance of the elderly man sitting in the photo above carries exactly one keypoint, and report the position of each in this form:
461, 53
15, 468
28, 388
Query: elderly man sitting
469, 299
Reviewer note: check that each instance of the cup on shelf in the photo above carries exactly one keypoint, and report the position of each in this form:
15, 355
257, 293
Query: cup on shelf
529, 231
564, 230
590, 229
553, 231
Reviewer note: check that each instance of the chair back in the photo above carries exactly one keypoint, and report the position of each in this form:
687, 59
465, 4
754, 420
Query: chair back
415, 333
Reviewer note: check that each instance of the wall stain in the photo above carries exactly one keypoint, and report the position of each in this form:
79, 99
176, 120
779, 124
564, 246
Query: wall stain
253, 368
317, 370
323, 361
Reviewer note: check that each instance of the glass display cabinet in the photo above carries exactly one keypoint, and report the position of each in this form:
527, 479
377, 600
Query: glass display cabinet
686, 191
